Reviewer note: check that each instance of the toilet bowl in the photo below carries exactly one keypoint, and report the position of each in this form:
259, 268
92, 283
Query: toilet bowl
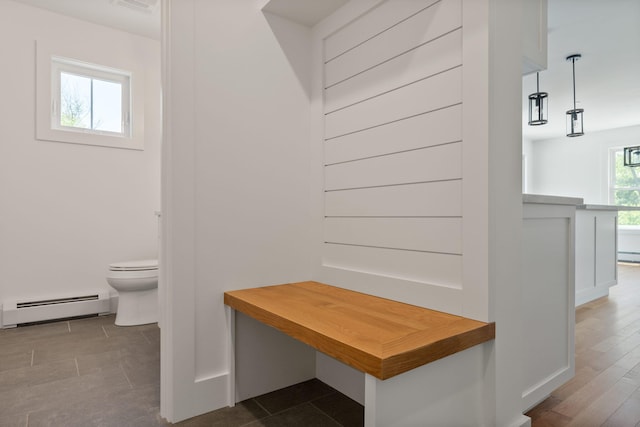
137, 286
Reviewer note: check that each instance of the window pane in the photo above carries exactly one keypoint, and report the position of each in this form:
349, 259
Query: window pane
107, 106
627, 177
628, 198
625, 189
75, 101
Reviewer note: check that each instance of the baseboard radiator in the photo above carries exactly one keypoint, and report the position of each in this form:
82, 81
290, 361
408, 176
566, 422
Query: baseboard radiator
16, 312
628, 256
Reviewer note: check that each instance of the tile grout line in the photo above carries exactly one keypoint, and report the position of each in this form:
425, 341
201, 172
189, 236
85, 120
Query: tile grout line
125, 375
327, 415
145, 337
265, 409
33, 351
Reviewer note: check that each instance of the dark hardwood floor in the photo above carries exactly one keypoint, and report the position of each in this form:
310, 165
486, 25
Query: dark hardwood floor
606, 388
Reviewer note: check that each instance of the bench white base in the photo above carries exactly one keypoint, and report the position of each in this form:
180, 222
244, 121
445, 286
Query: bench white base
448, 392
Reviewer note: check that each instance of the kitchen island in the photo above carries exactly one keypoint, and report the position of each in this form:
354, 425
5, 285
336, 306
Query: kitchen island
596, 251
548, 294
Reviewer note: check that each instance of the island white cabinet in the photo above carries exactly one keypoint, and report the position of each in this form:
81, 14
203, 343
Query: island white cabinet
596, 251
548, 292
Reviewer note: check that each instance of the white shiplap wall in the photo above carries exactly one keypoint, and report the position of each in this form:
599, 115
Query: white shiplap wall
393, 144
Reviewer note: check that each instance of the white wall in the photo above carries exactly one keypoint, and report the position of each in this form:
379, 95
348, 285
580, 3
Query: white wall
527, 158
577, 167
236, 204
68, 210
393, 153
242, 203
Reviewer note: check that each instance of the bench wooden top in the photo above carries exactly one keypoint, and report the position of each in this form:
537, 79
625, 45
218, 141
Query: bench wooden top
375, 335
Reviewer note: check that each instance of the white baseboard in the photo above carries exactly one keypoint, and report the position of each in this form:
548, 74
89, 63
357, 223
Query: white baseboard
524, 421
584, 296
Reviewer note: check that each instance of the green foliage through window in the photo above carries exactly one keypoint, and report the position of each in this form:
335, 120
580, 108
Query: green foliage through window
625, 190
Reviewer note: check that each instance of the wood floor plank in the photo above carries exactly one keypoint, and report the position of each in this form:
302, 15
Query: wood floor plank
551, 419
583, 376
606, 388
598, 411
582, 398
627, 415
631, 359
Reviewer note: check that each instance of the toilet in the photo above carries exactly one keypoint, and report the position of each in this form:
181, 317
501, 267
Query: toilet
137, 286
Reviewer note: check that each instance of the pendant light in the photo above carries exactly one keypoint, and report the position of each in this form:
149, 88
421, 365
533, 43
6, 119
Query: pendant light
574, 117
538, 105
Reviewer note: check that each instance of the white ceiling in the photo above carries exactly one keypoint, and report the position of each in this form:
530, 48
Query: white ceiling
607, 34
109, 13
305, 12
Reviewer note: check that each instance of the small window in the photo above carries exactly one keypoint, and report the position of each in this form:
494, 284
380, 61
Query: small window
624, 187
90, 98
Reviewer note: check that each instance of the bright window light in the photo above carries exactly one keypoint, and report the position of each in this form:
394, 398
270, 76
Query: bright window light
90, 98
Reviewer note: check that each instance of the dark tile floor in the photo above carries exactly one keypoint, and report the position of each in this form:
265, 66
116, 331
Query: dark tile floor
89, 372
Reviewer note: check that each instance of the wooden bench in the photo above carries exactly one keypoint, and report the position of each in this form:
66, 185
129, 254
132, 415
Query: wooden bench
377, 336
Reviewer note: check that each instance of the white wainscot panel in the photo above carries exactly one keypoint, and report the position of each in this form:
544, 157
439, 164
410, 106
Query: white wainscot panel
596, 253
431, 164
442, 198
548, 293
422, 27
424, 267
429, 59
430, 94
376, 21
434, 128
442, 235
606, 249
585, 250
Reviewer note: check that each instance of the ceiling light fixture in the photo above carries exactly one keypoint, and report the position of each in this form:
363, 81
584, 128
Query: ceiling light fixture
538, 105
574, 117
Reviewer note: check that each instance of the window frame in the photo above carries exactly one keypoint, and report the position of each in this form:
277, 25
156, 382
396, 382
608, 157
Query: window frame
61, 65
611, 185
80, 60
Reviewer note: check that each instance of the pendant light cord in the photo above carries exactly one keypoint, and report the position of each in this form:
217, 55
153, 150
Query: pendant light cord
573, 63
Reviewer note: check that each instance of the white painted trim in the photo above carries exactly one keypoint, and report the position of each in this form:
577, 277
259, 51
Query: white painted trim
184, 394
230, 315
522, 421
45, 52
164, 300
583, 296
370, 383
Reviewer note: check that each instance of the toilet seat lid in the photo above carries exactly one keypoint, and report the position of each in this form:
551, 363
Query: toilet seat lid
142, 265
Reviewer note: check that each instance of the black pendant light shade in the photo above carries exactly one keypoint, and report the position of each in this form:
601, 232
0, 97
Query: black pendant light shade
538, 105
574, 116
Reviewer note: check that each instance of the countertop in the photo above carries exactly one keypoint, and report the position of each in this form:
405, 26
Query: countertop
574, 201
552, 200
